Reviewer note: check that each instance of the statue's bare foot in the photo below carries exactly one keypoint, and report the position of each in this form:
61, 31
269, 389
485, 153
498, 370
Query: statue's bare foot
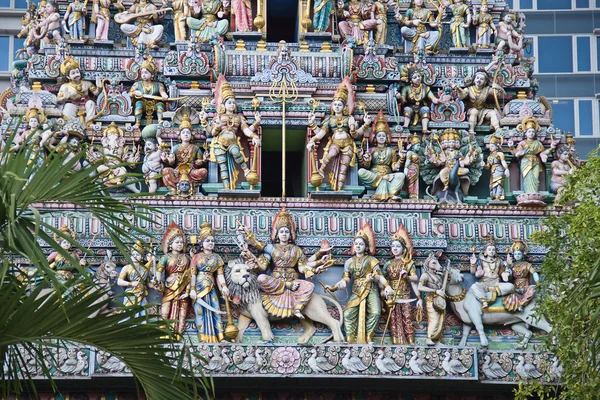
298, 314
246, 172
430, 342
396, 198
322, 173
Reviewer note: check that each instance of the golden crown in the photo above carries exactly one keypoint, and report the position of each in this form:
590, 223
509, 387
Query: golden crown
206, 230
415, 139
283, 219
149, 65
186, 123
68, 65
450, 134
139, 247
34, 113
530, 123
497, 140
226, 91
112, 129
341, 93
519, 245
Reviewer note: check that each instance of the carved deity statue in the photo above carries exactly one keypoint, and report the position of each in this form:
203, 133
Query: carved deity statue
207, 274
181, 12
77, 95
59, 263
242, 12
225, 128
136, 277
101, 16
402, 276
146, 28
380, 164
485, 26
48, 28
498, 168
410, 160
322, 10
150, 95
477, 94
490, 268
363, 309
431, 283
420, 29
184, 164
341, 149
531, 153
154, 152
31, 136
524, 277
509, 41
174, 273
459, 25
416, 98
564, 165
212, 22
74, 19
357, 19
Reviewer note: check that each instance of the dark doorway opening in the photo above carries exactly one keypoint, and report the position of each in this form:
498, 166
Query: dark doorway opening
271, 174
282, 17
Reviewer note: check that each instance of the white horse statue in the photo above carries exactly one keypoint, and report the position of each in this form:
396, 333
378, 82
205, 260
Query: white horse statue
468, 309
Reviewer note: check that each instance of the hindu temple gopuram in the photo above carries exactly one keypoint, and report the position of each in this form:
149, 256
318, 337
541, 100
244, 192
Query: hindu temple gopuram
351, 209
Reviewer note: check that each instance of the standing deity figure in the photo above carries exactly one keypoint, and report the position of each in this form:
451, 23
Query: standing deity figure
563, 166
32, 135
181, 12
459, 25
420, 29
498, 168
364, 306
149, 94
489, 268
146, 29
184, 163
225, 148
380, 12
401, 274
101, 16
341, 148
477, 93
524, 277
416, 98
485, 26
357, 20
77, 95
174, 266
213, 23
136, 277
322, 11
432, 284
284, 292
242, 11
205, 266
380, 163
509, 41
59, 263
72, 144
532, 154
152, 165
48, 29
74, 19
410, 160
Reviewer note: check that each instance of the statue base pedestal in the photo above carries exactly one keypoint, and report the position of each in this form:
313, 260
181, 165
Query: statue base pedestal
485, 50
103, 43
531, 200
459, 50
79, 42
317, 37
331, 195
246, 36
239, 193
497, 202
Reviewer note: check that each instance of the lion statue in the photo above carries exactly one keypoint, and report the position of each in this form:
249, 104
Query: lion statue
245, 295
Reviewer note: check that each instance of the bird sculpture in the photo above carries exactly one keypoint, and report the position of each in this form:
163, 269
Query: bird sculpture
555, 370
109, 363
492, 369
420, 366
386, 365
527, 370
252, 362
218, 362
353, 363
319, 363
453, 367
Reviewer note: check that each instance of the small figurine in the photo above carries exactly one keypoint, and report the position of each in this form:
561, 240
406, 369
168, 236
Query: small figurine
341, 149
242, 11
152, 166
205, 265
432, 284
74, 19
177, 278
380, 15
101, 16
49, 25
357, 18
461, 20
562, 167
322, 10
498, 168
363, 309
411, 161
135, 277
146, 29
149, 94
213, 23
416, 98
524, 276
508, 39
184, 163
380, 163
485, 26
59, 263
402, 275
225, 148
181, 12
419, 28
77, 92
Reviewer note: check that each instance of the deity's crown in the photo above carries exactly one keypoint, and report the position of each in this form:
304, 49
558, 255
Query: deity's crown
381, 125
530, 123
519, 245
66, 231
450, 134
68, 65
139, 247
206, 230
186, 123
415, 139
489, 240
224, 90
341, 93
149, 65
35, 112
283, 219
497, 140
570, 140
367, 234
484, 2
173, 230
112, 129
404, 238
75, 128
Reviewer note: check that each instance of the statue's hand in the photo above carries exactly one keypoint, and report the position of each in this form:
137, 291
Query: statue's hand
220, 14
225, 291
310, 145
341, 285
171, 157
256, 141
440, 293
134, 284
138, 93
257, 117
473, 259
388, 292
164, 96
506, 172
184, 296
366, 157
311, 118
367, 120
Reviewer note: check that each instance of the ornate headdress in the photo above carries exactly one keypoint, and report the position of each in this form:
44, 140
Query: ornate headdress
528, 123
415, 139
74, 128
149, 65
404, 238
570, 140
381, 125
113, 128
484, 2
367, 234
184, 176
450, 134
173, 230
520, 245
345, 93
139, 247
206, 230
68, 65
186, 123
489, 240
497, 140
66, 231
223, 90
35, 113
283, 218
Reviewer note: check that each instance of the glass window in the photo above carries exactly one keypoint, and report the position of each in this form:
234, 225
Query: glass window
586, 124
582, 3
6, 3
20, 3
4, 49
526, 4
18, 43
584, 62
554, 5
598, 49
563, 115
555, 54
510, 3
